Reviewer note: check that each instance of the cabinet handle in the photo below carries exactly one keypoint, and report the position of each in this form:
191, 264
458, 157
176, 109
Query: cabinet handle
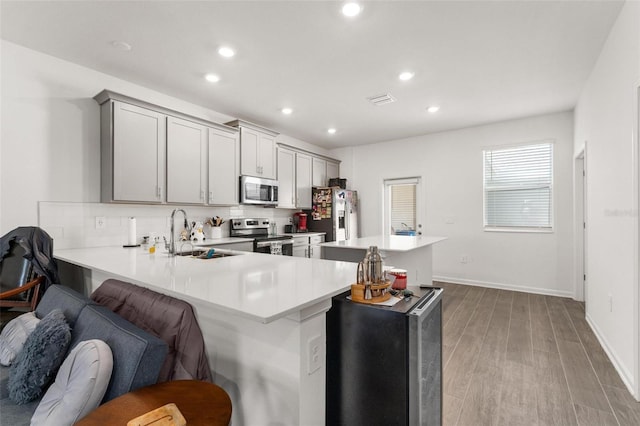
310, 251
158, 192
210, 196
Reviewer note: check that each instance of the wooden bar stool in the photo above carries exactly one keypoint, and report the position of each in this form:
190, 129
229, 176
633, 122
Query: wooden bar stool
201, 403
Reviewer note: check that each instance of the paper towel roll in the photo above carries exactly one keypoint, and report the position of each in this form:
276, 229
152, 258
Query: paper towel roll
131, 236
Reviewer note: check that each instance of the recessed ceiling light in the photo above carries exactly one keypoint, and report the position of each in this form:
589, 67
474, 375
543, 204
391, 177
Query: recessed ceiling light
121, 45
433, 108
287, 111
406, 75
212, 78
226, 51
351, 9
331, 131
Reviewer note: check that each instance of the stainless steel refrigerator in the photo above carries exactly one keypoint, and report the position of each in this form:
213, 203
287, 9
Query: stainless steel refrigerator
335, 212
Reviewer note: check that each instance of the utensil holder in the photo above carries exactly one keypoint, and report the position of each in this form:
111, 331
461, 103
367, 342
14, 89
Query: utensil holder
216, 232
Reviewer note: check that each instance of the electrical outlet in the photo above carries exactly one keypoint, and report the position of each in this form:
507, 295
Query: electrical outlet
314, 354
290, 220
101, 222
464, 259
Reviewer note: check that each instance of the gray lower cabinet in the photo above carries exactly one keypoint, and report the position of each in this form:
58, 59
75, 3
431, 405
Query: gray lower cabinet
315, 251
307, 246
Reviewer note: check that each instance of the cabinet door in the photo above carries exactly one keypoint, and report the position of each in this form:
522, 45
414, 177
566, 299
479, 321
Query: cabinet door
186, 161
315, 251
224, 160
303, 181
333, 170
138, 153
267, 156
301, 251
319, 172
286, 178
249, 140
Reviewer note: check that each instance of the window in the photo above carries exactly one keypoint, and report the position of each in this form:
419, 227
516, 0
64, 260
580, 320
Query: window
401, 206
518, 187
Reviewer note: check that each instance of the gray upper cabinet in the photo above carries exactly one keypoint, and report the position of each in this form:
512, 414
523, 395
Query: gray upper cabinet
224, 164
333, 170
152, 154
186, 161
319, 172
286, 178
257, 149
303, 181
133, 153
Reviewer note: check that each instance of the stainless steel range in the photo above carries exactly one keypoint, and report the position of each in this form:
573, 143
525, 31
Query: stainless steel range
263, 242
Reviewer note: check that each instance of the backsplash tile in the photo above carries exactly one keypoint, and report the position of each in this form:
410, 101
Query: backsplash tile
72, 225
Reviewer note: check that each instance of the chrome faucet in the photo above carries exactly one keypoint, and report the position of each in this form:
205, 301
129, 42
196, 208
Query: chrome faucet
172, 241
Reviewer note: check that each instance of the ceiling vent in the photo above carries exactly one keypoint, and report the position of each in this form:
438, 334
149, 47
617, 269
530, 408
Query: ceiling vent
381, 99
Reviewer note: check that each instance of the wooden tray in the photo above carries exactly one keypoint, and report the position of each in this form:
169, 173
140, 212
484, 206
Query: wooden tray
379, 292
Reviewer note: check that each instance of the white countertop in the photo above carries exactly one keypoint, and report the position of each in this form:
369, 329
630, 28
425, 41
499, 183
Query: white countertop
398, 243
258, 286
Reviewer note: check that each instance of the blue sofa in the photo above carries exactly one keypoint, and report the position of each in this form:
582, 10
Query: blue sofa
137, 355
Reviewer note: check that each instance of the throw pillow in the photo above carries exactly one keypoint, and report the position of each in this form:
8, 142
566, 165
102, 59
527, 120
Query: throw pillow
13, 336
37, 363
80, 385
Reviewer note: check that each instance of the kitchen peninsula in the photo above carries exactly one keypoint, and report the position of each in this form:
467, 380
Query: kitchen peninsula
262, 317
400, 251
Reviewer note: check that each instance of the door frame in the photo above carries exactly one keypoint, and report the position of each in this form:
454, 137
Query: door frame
580, 225
386, 205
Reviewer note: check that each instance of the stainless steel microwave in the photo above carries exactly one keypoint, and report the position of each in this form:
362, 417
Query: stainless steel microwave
254, 190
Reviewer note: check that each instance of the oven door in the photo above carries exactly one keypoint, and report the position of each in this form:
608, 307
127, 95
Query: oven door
278, 247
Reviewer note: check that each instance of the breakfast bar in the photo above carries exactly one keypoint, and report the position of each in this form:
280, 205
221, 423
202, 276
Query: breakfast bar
413, 253
262, 317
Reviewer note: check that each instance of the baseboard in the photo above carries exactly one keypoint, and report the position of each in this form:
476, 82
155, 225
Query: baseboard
502, 286
625, 375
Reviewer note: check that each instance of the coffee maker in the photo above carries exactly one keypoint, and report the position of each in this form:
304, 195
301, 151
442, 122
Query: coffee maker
300, 222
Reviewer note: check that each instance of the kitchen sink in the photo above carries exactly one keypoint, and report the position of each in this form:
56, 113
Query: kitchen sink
202, 254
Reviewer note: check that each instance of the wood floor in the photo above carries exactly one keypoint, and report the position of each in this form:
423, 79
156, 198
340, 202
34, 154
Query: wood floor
514, 358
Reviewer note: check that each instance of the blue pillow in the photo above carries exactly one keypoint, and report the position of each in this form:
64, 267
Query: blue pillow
37, 363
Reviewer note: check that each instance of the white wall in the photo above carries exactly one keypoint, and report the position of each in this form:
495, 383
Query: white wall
50, 138
606, 118
450, 165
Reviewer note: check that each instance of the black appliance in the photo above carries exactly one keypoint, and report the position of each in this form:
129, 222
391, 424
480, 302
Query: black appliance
258, 229
384, 364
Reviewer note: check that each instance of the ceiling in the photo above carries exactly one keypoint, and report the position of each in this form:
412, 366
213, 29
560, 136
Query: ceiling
480, 61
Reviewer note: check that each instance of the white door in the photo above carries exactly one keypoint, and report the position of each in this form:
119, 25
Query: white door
186, 161
138, 153
224, 163
402, 206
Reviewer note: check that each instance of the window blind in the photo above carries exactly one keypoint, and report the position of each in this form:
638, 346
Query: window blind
518, 184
